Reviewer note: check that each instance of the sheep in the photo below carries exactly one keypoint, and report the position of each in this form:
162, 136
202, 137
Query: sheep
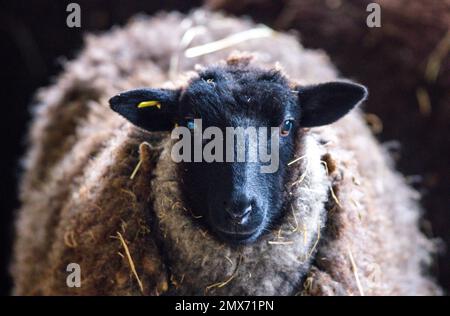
102, 193
244, 102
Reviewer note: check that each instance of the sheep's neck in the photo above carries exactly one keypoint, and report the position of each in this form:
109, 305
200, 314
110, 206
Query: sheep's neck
274, 265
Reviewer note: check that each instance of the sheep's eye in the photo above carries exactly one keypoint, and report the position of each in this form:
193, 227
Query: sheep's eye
190, 123
209, 80
286, 127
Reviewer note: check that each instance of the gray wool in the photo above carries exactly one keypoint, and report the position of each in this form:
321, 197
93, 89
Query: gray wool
274, 265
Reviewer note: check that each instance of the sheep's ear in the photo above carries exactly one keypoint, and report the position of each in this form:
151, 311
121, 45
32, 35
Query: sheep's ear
327, 102
150, 109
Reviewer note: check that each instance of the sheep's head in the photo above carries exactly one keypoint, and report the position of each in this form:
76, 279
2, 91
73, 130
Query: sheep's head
222, 179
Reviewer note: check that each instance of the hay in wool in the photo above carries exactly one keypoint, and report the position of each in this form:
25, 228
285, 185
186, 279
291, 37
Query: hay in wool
101, 193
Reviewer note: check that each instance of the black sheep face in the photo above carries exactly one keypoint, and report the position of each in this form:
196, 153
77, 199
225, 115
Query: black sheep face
238, 201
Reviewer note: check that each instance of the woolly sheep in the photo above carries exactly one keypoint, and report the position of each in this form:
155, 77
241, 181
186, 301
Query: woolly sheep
106, 195
228, 117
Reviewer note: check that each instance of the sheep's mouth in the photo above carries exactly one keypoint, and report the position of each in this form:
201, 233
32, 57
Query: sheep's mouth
240, 237
237, 232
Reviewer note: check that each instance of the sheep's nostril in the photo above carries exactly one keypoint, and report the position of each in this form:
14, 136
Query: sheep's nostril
241, 215
247, 211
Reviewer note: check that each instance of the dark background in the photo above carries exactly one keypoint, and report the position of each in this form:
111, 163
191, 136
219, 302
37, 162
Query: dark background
35, 40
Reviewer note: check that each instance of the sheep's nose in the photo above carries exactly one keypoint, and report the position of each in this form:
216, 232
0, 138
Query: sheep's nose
240, 212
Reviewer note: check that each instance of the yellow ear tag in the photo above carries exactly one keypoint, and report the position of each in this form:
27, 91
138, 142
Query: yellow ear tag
146, 104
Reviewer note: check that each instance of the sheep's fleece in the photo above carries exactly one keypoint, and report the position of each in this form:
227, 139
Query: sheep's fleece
350, 225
